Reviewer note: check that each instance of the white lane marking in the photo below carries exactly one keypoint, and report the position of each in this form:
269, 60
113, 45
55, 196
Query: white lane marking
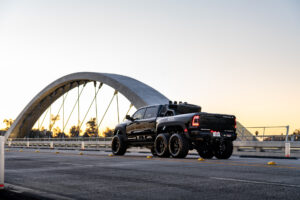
255, 182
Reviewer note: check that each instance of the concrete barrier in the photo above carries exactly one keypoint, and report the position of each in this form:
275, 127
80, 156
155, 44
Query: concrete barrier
267, 144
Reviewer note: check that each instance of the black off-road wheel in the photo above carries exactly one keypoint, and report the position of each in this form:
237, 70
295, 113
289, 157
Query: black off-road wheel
153, 151
118, 145
178, 146
223, 150
161, 145
205, 150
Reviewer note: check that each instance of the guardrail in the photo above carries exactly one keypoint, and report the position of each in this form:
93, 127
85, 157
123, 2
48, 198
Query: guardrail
67, 143
269, 138
260, 146
102, 142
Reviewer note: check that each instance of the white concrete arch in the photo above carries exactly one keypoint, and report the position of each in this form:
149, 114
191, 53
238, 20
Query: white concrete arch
138, 93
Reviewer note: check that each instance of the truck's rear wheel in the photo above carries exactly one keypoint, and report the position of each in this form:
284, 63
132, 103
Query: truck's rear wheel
161, 145
204, 150
223, 150
178, 146
118, 145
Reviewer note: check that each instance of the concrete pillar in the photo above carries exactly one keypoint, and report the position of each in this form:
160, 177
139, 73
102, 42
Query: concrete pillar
9, 143
82, 145
287, 149
51, 145
235, 149
258, 149
2, 159
27, 144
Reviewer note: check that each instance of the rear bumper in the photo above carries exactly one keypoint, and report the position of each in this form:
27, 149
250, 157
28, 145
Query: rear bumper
206, 135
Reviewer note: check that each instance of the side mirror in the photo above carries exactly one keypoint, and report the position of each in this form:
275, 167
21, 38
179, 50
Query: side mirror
129, 118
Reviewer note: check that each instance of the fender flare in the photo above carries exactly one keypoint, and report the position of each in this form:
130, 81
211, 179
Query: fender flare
120, 128
163, 125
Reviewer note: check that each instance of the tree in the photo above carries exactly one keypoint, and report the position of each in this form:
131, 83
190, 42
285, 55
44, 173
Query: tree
8, 123
297, 132
256, 133
53, 120
35, 133
108, 132
74, 131
91, 128
58, 133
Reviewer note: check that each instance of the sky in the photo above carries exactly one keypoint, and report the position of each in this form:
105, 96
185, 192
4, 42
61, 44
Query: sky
234, 57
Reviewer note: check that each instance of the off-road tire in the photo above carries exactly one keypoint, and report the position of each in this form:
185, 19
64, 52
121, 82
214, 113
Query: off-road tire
161, 145
178, 146
205, 150
223, 150
118, 145
153, 151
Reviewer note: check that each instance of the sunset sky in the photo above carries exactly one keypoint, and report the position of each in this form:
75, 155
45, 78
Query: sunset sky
235, 57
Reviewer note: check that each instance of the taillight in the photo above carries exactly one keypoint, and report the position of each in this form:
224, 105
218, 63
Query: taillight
196, 120
235, 123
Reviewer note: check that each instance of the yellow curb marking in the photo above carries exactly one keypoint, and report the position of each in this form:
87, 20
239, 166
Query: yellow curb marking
271, 163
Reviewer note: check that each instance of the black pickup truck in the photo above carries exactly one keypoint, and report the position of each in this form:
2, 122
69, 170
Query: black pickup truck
175, 128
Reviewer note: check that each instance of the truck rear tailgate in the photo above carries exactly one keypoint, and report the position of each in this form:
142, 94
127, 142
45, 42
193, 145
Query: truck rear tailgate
217, 122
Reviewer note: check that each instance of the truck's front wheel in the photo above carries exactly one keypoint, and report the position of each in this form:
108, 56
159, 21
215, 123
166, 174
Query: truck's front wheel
161, 145
153, 151
118, 145
223, 150
178, 146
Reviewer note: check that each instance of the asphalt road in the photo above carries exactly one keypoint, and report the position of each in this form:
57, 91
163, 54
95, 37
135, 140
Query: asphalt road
95, 175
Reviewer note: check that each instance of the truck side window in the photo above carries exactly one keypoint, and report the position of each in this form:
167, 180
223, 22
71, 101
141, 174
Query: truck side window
162, 111
139, 114
151, 112
169, 113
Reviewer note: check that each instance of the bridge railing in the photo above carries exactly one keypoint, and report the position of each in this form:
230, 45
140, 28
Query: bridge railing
66, 143
104, 144
260, 138
270, 138
62, 139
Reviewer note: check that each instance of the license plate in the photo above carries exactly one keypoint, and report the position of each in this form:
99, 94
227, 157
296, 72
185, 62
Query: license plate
216, 134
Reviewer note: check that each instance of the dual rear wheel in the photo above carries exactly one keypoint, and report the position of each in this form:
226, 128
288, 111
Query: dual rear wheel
165, 146
177, 145
221, 150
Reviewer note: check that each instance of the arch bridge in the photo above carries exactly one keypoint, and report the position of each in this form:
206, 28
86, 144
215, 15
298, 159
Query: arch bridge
139, 94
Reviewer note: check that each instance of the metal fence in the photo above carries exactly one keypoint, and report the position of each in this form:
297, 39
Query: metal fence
66, 143
266, 133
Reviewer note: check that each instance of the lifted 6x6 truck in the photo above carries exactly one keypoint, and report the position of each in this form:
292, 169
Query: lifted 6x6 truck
174, 129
